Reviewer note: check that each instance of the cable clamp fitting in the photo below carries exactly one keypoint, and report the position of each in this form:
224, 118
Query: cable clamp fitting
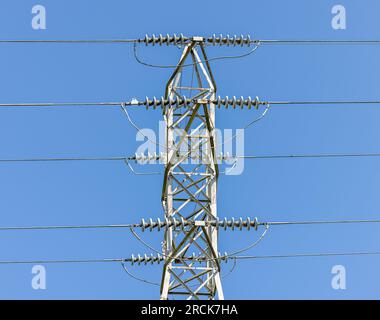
198, 39
200, 223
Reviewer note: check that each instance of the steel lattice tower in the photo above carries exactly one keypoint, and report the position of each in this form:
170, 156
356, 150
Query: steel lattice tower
190, 182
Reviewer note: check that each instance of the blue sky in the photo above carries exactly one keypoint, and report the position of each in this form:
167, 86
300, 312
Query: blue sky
108, 193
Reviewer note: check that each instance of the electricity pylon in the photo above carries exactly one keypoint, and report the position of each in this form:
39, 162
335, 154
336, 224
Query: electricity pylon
190, 182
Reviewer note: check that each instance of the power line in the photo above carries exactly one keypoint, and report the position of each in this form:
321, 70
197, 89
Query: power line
67, 159
326, 155
181, 40
138, 278
72, 41
63, 261
305, 255
310, 41
110, 226
230, 224
285, 223
272, 103
64, 104
165, 102
248, 157
224, 257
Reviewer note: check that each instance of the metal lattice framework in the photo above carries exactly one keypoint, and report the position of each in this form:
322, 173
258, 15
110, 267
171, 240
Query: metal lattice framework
191, 169
190, 182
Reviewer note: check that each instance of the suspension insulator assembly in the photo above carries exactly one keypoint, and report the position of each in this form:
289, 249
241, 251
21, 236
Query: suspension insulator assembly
229, 40
165, 39
186, 102
215, 40
224, 224
158, 258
